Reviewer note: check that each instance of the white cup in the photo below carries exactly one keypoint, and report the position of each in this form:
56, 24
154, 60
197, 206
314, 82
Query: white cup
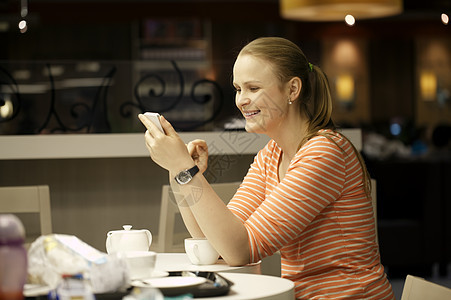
140, 264
200, 251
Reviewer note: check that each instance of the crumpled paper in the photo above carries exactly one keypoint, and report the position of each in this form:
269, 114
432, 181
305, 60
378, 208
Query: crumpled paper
51, 256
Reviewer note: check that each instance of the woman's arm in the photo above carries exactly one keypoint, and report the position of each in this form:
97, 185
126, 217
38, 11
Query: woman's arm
215, 221
198, 150
197, 200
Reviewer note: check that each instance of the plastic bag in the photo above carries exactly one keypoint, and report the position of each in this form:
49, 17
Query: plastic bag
52, 256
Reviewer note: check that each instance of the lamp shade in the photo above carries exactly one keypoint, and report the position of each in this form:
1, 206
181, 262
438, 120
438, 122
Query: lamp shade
336, 10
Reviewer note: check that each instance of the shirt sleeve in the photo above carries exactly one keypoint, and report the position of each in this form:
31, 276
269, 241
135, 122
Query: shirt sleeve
313, 181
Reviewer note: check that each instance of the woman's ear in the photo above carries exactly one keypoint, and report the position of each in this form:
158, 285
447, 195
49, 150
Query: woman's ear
295, 85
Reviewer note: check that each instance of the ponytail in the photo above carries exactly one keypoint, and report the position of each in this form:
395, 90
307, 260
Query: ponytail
318, 108
317, 104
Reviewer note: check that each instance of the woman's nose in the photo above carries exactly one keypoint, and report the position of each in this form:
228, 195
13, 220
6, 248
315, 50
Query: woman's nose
242, 100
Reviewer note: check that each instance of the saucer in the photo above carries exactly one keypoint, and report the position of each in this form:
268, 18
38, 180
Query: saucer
172, 282
35, 290
155, 274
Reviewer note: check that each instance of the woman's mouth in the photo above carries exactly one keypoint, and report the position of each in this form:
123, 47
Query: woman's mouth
250, 114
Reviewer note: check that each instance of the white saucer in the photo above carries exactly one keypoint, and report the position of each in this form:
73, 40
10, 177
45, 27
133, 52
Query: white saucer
35, 290
155, 274
172, 282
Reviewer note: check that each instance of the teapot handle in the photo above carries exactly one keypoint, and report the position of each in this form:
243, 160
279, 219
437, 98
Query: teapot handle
108, 242
149, 237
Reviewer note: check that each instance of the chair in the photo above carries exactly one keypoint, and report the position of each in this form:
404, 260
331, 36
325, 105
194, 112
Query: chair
168, 240
28, 199
416, 288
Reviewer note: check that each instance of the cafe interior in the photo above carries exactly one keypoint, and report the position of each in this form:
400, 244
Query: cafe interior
75, 74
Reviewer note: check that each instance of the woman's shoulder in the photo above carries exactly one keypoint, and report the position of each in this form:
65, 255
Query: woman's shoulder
269, 152
270, 147
326, 141
329, 136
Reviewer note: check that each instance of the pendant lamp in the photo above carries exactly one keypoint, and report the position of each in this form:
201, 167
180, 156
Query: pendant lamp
336, 10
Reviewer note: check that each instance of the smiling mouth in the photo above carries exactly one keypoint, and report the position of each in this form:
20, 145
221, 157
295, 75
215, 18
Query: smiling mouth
250, 114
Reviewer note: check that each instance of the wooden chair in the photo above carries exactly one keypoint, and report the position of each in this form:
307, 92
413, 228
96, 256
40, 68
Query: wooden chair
168, 239
416, 288
28, 199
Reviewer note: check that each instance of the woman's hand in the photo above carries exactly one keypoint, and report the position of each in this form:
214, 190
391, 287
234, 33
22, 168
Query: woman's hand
166, 149
198, 150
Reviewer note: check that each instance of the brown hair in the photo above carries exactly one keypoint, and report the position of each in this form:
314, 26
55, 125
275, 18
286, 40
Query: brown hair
315, 100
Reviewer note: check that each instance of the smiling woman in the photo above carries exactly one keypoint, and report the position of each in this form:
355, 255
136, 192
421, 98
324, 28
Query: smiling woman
307, 189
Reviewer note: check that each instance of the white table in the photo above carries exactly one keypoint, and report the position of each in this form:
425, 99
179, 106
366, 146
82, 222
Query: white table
253, 286
248, 283
180, 262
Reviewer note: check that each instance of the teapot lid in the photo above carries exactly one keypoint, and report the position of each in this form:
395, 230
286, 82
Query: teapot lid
127, 227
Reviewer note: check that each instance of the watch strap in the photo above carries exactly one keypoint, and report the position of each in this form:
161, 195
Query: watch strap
193, 171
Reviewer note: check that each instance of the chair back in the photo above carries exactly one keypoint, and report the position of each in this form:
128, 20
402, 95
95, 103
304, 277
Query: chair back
416, 288
28, 199
169, 215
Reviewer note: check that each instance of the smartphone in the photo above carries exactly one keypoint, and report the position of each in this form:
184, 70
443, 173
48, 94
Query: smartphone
155, 118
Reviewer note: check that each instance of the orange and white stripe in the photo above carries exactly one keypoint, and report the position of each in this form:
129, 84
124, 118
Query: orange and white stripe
318, 217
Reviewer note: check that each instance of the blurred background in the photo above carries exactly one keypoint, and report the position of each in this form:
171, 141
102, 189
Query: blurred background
91, 66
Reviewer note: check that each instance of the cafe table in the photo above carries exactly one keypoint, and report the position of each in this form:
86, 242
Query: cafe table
248, 283
254, 286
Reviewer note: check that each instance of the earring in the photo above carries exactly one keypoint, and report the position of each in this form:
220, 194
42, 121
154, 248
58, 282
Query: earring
289, 101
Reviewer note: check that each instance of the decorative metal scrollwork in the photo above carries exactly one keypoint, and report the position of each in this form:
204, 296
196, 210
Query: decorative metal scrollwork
94, 114
167, 91
157, 100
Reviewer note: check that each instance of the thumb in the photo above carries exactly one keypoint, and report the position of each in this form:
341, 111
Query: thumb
167, 126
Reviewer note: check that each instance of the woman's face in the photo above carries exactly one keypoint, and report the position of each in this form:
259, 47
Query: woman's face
258, 95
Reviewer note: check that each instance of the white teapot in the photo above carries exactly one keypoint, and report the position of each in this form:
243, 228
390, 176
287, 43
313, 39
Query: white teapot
128, 240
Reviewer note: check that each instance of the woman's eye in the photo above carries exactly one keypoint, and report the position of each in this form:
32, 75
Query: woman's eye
237, 90
254, 89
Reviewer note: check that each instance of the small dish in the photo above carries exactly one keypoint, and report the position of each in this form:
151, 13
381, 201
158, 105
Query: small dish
35, 290
172, 282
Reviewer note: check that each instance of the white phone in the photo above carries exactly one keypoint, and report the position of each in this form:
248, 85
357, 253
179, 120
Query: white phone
155, 118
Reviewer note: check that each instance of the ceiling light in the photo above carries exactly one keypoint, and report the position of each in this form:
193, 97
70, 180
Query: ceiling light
445, 19
350, 20
336, 10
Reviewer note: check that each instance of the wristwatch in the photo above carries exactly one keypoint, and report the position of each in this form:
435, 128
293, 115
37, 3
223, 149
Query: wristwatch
185, 176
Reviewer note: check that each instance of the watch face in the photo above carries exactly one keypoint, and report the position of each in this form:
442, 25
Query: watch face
184, 177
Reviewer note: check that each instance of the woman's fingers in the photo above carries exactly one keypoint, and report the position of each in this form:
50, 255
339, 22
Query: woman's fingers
167, 126
191, 148
199, 153
197, 148
151, 127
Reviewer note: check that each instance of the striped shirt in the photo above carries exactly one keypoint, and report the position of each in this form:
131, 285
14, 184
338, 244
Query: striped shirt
319, 218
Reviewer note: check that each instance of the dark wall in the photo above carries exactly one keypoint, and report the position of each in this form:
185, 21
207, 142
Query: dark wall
392, 77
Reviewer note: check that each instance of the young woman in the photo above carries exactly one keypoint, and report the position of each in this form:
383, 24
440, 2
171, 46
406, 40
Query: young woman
307, 193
